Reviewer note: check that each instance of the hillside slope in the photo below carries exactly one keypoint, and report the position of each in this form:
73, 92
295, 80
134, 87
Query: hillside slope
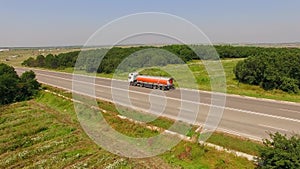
45, 133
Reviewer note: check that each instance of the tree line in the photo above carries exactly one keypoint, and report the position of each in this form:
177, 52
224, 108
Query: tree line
51, 61
271, 68
111, 58
14, 88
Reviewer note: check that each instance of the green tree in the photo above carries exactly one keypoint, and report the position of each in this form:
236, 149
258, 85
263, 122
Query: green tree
29, 62
40, 61
13, 88
280, 152
51, 61
28, 85
8, 84
289, 85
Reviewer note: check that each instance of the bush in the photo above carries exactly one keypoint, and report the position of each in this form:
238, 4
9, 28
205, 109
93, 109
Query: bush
13, 88
280, 152
8, 84
271, 71
28, 85
289, 85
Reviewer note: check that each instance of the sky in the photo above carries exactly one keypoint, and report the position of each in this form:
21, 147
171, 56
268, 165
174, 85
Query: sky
72, 22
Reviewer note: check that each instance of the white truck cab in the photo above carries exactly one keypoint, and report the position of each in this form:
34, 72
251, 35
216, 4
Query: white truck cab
132, 77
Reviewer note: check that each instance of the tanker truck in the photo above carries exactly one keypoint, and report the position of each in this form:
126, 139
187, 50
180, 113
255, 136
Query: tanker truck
157, 82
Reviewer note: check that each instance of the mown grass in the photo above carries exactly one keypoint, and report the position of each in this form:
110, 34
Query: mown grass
230, 141
45, 133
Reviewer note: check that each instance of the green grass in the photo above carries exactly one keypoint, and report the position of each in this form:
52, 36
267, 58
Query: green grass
235, 143
221, 139
45, 138
45, 133
196, 156
154, 72
71, 70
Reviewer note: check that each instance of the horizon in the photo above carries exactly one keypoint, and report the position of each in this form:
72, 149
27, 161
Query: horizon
99, 46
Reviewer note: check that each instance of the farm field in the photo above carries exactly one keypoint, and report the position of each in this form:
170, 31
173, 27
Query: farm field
16, 56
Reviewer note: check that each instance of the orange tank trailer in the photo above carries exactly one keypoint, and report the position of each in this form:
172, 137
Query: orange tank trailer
154, 80
165, 83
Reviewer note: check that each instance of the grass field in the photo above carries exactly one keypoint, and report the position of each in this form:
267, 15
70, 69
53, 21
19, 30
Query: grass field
15, 57
45, 133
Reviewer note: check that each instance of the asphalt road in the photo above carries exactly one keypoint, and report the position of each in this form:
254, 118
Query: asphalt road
244, 116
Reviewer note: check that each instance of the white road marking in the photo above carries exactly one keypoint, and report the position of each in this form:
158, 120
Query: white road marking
239, 134
172, 117
271, 127
294, 111
227, 108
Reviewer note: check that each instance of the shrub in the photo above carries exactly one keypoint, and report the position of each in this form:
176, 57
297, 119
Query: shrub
13, 88
289, 85
271, 71
280, 152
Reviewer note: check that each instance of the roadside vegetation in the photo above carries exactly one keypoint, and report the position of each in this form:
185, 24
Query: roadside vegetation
14, 88
280, 151
224, 140
278, 70
44, 132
